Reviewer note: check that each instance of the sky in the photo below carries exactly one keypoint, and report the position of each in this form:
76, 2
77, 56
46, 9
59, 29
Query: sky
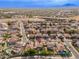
37, 3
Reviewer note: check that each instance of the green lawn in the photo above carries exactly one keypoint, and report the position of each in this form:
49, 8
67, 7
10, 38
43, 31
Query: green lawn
36, 52
32, 52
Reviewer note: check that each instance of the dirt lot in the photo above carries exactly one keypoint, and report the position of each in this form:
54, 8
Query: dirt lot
75, 17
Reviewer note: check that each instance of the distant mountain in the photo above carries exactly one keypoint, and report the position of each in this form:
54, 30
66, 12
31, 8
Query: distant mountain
66, 5
69, 4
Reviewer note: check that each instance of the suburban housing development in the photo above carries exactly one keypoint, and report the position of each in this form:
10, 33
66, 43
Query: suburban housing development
39, 33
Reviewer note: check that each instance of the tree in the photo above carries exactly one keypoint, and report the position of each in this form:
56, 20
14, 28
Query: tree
5, 37
65, 53
30, 52
6, 52
9, 23
49, 32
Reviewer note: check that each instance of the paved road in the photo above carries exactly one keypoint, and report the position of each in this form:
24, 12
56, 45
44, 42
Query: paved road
39, 57
22, 30
72, 49
56, 17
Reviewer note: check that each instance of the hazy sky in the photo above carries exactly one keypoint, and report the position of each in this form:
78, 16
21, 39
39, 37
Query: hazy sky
38, 3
